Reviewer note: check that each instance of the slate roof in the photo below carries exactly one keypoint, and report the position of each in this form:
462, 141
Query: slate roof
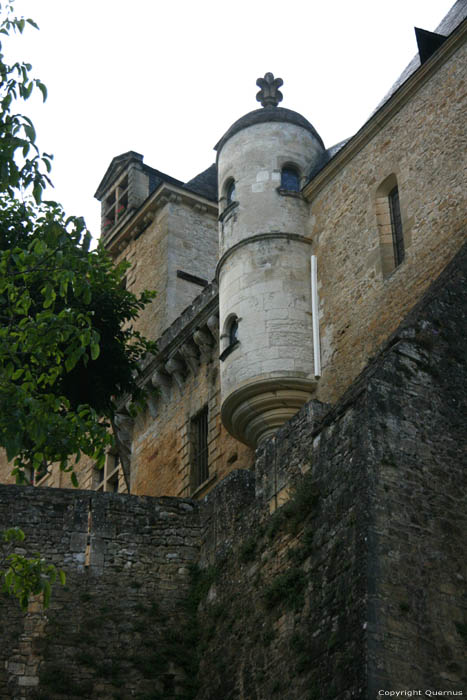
456, 15
156, 178
268, 114
205, 183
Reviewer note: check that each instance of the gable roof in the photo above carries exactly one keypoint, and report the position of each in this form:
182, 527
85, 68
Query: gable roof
121, 163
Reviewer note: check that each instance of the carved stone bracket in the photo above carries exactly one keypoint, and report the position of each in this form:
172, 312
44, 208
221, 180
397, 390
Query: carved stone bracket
213, 325
176, 368
190, 354
204, 340
161, 380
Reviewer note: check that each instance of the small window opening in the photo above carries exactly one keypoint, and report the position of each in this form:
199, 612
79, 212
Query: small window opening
200, 451
290, 179
396, 226
392, 238
233, 331
230, 192
229, 338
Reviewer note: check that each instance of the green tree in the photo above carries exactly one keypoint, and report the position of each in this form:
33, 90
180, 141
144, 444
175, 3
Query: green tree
67, 346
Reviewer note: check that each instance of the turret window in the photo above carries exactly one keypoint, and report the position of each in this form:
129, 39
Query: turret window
230, 192
229, 338
290, 179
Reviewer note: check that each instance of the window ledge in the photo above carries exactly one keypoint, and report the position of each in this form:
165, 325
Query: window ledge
289, 193
230, 348
204, 485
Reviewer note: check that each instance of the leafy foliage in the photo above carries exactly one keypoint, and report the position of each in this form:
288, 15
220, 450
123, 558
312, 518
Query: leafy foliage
21, 163
22, 576
64, 349
67, 347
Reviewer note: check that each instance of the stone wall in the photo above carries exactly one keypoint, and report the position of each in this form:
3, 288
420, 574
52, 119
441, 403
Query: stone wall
185, 379
120, 627
355, 584
418, 140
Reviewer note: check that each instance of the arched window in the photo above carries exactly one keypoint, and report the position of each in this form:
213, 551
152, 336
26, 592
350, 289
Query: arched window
396, 226
233, 331
290, 179
390, 225
229, 338
230, 192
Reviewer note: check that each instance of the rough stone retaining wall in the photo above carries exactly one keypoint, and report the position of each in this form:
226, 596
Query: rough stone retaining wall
119, 628
358, 583
355, 584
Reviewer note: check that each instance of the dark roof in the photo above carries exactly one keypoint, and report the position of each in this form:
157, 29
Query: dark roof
326, 157
448, 24
268, 114
205, 183
456, 15
156, 178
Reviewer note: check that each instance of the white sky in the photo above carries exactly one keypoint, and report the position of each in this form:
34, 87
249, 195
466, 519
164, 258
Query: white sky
166, 79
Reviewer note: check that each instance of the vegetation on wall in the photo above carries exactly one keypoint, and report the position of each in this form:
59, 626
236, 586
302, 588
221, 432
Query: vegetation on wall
25, 576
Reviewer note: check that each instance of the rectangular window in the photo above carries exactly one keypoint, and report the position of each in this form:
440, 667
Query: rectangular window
396, 226
106, 479
199, 448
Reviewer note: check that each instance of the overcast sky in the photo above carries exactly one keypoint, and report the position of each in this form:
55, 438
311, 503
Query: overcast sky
166, 79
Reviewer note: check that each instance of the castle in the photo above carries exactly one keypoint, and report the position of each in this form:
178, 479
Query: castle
292, 280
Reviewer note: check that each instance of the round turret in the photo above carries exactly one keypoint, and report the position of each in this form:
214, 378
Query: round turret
264, 269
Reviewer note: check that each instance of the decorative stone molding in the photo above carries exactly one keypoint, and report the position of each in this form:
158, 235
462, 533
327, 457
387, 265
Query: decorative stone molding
260, 237
253, 412
269, 95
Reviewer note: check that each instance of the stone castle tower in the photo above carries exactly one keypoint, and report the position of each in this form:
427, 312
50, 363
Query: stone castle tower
290, 518
264, 266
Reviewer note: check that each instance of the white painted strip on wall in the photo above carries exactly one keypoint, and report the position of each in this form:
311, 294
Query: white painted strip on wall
315, 317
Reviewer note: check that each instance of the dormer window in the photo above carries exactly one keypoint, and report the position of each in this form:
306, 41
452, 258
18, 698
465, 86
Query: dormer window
290, 179
115, 205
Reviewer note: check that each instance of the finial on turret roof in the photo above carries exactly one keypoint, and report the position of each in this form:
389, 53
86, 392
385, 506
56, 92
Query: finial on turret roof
269, 95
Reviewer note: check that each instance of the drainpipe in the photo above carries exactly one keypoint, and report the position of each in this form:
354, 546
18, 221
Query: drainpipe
314, 311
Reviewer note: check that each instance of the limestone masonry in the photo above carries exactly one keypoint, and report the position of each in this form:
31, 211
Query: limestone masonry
287, 517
